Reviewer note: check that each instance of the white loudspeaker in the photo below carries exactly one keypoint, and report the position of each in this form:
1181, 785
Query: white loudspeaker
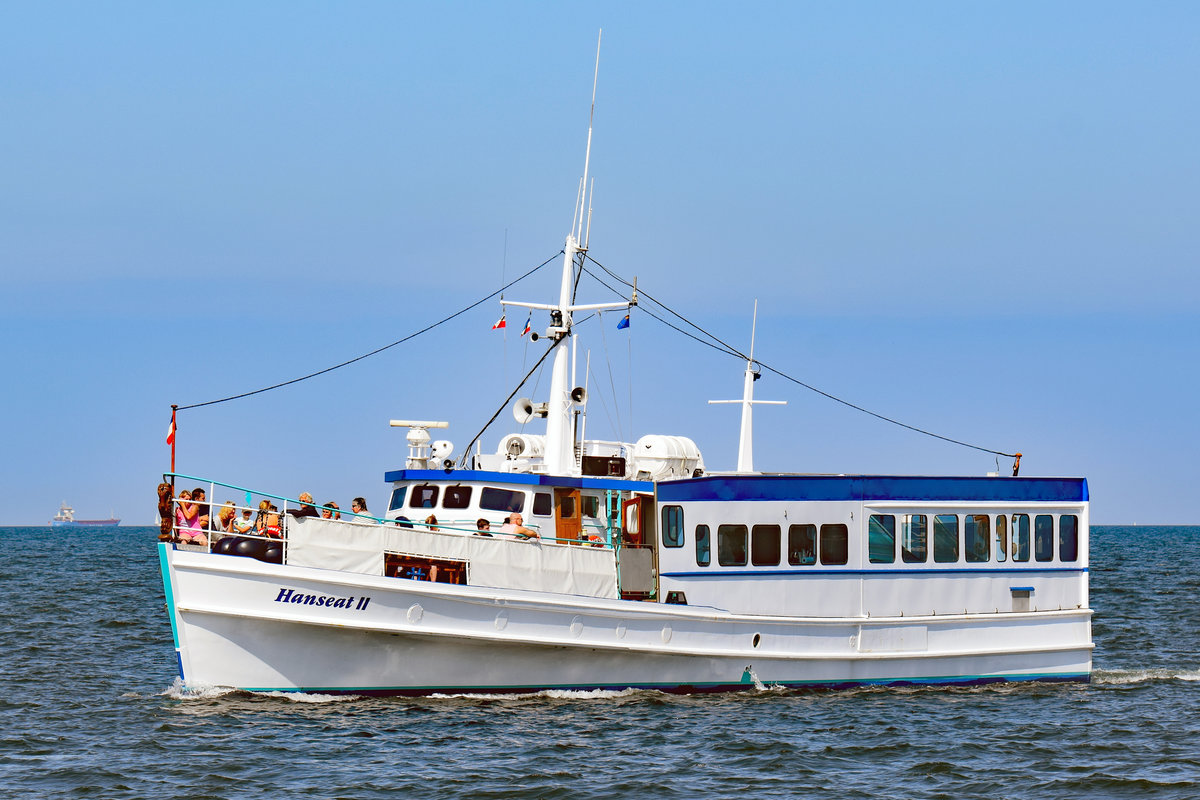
523, 410
441, 449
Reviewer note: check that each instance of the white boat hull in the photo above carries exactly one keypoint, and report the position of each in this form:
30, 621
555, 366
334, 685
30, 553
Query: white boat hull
261, 627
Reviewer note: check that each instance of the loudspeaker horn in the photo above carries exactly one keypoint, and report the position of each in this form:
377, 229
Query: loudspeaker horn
523, 410
579, 395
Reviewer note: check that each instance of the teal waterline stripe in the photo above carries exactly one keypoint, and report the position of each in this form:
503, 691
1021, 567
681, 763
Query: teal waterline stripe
170, 593
721, 572
942, 680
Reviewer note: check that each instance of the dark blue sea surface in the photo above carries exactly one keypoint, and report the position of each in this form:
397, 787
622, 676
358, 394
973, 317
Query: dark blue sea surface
90, 707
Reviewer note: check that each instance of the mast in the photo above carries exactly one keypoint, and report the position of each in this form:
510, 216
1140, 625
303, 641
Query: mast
559, 457
746, 435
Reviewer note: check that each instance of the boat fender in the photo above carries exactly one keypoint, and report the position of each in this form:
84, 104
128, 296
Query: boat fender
249, 547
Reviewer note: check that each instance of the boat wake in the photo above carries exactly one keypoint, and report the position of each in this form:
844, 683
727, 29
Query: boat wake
178, 691
1121, 677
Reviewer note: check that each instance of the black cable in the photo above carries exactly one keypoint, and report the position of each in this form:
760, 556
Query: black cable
463, 458
731, 350
381, 349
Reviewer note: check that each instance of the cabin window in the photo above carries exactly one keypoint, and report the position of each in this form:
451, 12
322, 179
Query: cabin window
703, 551
456, 497
543, 504
835, 544
423, 496
1020, 537
881, 539
731, 545
1001, 537
976, 532
914, 533
945, 538
590, 504
1068, 538
397, 500
764, 545
672, 526
802, 545
501, 500
1043, 537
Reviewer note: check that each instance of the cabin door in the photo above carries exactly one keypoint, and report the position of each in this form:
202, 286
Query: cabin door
567, 520
636, 576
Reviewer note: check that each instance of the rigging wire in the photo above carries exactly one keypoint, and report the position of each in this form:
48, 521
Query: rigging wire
426, 329
467, 450
729, 349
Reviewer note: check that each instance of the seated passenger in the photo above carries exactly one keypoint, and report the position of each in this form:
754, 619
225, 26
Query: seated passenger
225, 517
187, 520
271, 524
243, 524
484, 527
306, 509
202, 510
431, 522
331, 510
359, 507
516, 527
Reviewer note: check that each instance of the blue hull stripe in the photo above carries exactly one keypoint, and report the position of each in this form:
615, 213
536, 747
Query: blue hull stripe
169, 591
875, 488
675, 688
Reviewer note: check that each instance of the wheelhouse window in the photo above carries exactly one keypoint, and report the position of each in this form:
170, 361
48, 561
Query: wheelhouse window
1068, 538
835, 544
543, 504
456, 497
764, 545
945, 538
914, 533
881, 539
802, 545
1001, 537
731, 545
976, 533
501, 500
424, 496
672, 526
397, 500
703, 546
1020, 537
1043, 537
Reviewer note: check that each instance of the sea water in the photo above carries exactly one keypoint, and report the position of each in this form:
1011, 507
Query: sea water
91, 707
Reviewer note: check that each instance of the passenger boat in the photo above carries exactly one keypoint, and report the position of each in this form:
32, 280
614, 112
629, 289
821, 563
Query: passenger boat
634, 566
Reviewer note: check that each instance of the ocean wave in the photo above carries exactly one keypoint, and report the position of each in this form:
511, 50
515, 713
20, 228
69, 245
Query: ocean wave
1120, 677
179, 691
554, 694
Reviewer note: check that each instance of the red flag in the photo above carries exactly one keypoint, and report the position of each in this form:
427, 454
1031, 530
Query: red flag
500, 323
171, 430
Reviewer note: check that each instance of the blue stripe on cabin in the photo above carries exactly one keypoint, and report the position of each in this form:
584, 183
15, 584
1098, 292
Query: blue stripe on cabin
874, 488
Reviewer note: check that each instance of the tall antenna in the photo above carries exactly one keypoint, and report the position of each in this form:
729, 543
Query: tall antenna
581, 236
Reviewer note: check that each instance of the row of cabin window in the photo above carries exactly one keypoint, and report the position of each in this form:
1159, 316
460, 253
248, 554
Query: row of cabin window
458, 497
976, 541
830, 543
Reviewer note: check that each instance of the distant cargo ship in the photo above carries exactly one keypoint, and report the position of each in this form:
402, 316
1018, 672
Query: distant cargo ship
66, 517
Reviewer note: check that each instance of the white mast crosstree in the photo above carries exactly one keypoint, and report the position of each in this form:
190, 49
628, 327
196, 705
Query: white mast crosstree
746, 439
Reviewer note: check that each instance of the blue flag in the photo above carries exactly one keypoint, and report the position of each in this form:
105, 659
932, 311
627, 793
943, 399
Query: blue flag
624, 323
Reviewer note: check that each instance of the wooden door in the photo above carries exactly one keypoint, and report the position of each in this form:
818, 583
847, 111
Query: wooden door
567, 520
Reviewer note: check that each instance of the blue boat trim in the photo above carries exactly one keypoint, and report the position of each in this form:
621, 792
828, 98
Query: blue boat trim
689, 688
719, 572
487, 476
165, 568
879, 488
1020, 588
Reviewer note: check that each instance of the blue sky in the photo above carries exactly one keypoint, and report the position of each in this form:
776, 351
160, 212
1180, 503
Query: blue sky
977, 218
